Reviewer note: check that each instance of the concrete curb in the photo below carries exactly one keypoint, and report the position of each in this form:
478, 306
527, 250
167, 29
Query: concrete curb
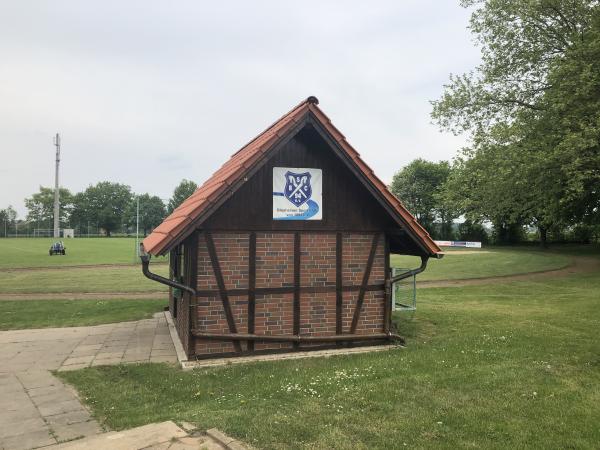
226, 441
188, 365
181, 355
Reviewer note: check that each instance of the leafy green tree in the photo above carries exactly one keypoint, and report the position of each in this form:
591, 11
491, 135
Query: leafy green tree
8, 218
181, 192
532, 110
104, 205
152, 212
420, 186
40, 206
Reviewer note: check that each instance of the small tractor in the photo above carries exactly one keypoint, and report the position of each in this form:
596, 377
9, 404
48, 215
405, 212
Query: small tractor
58, 248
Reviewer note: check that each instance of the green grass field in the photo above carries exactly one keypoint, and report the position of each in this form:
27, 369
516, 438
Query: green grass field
22, 314
33, 252
491, 261
504, 365
113, 279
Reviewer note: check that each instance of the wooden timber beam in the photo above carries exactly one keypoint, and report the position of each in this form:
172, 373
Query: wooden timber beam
296, 339
210, 245
363, 286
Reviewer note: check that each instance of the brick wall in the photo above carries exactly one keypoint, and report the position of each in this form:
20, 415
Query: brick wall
275, 268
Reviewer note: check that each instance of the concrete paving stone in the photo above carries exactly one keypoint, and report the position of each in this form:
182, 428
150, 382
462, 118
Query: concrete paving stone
85, 347
109, 355
41, 391
23, 426
113, 349
163, 359
134, 359
28, 440
100, 330
138, 351
72, 367
24, 413
107, 362
54, 397
161, 446
219, 436
76, 430
94, 339
163, 352
68, 418
187, 443
35, 379
78, 360
135, 438
60, 407
118, 337
8, 388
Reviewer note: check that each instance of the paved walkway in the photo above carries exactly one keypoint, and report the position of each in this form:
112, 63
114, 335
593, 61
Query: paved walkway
37, 409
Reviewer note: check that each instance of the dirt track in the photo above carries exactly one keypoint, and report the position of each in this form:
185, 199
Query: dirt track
579, 264
83, 295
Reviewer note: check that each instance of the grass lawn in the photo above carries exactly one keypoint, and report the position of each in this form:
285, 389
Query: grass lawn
33, 252
22, 314
119, 279
491, 261
506, 365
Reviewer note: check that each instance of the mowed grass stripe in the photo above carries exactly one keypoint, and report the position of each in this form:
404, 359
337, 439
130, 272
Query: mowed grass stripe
27, 314
102, 279
33, 252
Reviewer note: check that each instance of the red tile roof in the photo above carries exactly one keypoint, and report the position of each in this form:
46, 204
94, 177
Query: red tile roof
173, 228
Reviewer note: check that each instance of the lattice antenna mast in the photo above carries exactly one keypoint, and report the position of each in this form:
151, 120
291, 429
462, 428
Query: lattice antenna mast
56, 190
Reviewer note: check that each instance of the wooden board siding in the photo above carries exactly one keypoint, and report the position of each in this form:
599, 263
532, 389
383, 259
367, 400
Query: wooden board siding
347, 205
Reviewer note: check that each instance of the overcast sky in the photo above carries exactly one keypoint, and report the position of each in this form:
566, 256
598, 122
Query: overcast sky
147, 93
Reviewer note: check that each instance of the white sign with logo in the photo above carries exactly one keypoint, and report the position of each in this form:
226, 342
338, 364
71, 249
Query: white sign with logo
297, 193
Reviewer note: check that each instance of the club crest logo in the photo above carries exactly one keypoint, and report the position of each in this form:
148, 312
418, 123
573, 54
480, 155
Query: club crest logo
297, 187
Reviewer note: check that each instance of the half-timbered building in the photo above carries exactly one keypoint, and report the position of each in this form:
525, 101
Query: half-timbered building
287, 246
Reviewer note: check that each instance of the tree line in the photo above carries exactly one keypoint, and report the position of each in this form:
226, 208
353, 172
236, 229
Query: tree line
103, 208
531, 111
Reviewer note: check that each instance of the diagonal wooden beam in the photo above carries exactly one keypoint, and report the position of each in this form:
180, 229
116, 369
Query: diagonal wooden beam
363, 286
210, 245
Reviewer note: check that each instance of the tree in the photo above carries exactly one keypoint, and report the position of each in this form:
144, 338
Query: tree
181, 192
419, 185
152, 212
40, 206
8, 218
532, 109
104, 205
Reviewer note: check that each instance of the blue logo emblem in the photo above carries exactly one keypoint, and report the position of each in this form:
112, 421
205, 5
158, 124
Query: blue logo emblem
297, 187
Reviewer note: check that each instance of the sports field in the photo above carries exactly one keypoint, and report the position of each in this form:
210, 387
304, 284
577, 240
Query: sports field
503, 364
109, 265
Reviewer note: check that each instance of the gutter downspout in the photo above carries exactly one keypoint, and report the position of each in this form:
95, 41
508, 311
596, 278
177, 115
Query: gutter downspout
145, 257
412, 272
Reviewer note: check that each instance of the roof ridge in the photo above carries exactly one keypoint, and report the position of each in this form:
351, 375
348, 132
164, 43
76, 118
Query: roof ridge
175, 225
